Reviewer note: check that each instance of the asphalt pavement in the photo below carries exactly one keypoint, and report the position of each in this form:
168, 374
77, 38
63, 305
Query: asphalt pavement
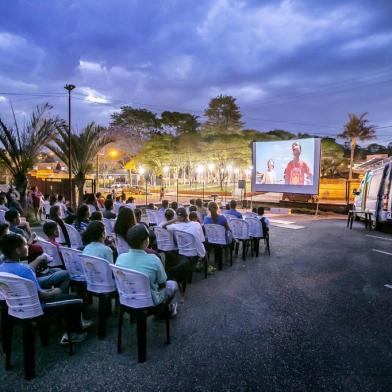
313, 316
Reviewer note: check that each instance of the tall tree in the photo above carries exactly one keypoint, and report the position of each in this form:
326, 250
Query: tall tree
223, 116
357, 128
141, 123
180, 123
21, 147
84, 148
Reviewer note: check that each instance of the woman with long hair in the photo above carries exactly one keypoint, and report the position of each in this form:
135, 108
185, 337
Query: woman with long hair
82, 218
55, 215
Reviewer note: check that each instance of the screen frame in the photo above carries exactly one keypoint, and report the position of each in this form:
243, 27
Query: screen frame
286, 188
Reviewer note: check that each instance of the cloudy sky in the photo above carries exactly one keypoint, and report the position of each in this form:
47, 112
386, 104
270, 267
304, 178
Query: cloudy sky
299, 65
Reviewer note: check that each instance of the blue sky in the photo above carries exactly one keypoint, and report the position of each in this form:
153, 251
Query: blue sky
291, 64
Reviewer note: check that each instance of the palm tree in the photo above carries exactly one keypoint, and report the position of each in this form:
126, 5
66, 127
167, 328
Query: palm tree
21, 147
357, 128
84, 148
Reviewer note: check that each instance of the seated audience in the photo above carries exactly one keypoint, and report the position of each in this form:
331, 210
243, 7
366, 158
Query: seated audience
182, 223
233, 211
130, 203
107, 212
94, 240
264, 220
3, 203
82, 218
162, 290
117, 204
51, 230
193, 217
174, 205
62, 206
201, 209
96, 216
165, 206
169, 215
4, 229
215, 217
91, 203
15, 250
151, 206
46, 206
13, 218
54, 215
100, 200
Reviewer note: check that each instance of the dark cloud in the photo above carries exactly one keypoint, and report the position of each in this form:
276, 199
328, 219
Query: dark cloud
289, 62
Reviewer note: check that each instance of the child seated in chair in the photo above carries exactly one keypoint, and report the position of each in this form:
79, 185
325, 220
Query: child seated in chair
15, 249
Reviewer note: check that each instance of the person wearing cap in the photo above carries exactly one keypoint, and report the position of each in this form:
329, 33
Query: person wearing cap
162, 290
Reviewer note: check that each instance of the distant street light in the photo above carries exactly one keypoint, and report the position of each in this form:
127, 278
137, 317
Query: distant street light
69, 88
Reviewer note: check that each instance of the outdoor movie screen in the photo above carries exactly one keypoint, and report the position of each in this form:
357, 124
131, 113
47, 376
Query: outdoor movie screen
289, 166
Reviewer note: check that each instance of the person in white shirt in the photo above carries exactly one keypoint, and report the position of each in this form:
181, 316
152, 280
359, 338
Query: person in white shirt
169, 215
62, 206
182, 223
117, 205
131, 203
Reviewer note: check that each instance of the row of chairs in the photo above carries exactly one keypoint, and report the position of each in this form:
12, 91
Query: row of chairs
102, 280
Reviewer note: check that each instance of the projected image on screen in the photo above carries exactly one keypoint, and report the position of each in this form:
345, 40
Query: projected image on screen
287, 166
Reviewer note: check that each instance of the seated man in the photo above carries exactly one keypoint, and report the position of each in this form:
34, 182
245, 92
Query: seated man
165, 206
264, 220
233, 211
168, 216
13, 218
108, 213
181, 222
14, 248
162, 290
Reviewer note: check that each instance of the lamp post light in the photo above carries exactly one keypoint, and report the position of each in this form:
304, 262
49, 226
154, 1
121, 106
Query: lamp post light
69, 88
211, 167
236, 172
200, 171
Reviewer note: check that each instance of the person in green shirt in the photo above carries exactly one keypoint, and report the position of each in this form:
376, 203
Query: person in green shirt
150, 265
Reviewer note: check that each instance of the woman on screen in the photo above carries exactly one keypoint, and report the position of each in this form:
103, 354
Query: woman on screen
269, 177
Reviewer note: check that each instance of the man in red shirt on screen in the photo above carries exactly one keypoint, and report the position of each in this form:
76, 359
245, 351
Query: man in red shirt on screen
297, 171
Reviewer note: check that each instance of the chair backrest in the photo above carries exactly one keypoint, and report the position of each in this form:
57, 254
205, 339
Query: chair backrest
255, 227
108, 226
73, 263
2, 216
152, 217
52, 251
229, 217
165, 239
249, 214
133, 287
20, 295
239, 228
74, 236
92, 208
99, 276
216, 234
121, 245
186, 243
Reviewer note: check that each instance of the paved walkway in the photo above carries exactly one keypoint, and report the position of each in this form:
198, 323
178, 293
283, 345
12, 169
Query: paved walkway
314, 316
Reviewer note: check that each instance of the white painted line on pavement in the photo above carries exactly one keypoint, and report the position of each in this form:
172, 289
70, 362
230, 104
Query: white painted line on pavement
293, 227
283, 222
377, 236
382, 251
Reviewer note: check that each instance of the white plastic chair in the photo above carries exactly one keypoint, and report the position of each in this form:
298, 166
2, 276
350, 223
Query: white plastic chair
108, 226
229, 217
256, 233
135, 297
21, 296
186, 247
100, 283
52, 251
74, 236
152, 217
240, 230
249, 214
216, 235
165, 239
98, 274
121, 245
73, 263
2, 216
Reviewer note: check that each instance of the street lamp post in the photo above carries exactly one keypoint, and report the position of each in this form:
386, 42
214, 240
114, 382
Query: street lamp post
69, 88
